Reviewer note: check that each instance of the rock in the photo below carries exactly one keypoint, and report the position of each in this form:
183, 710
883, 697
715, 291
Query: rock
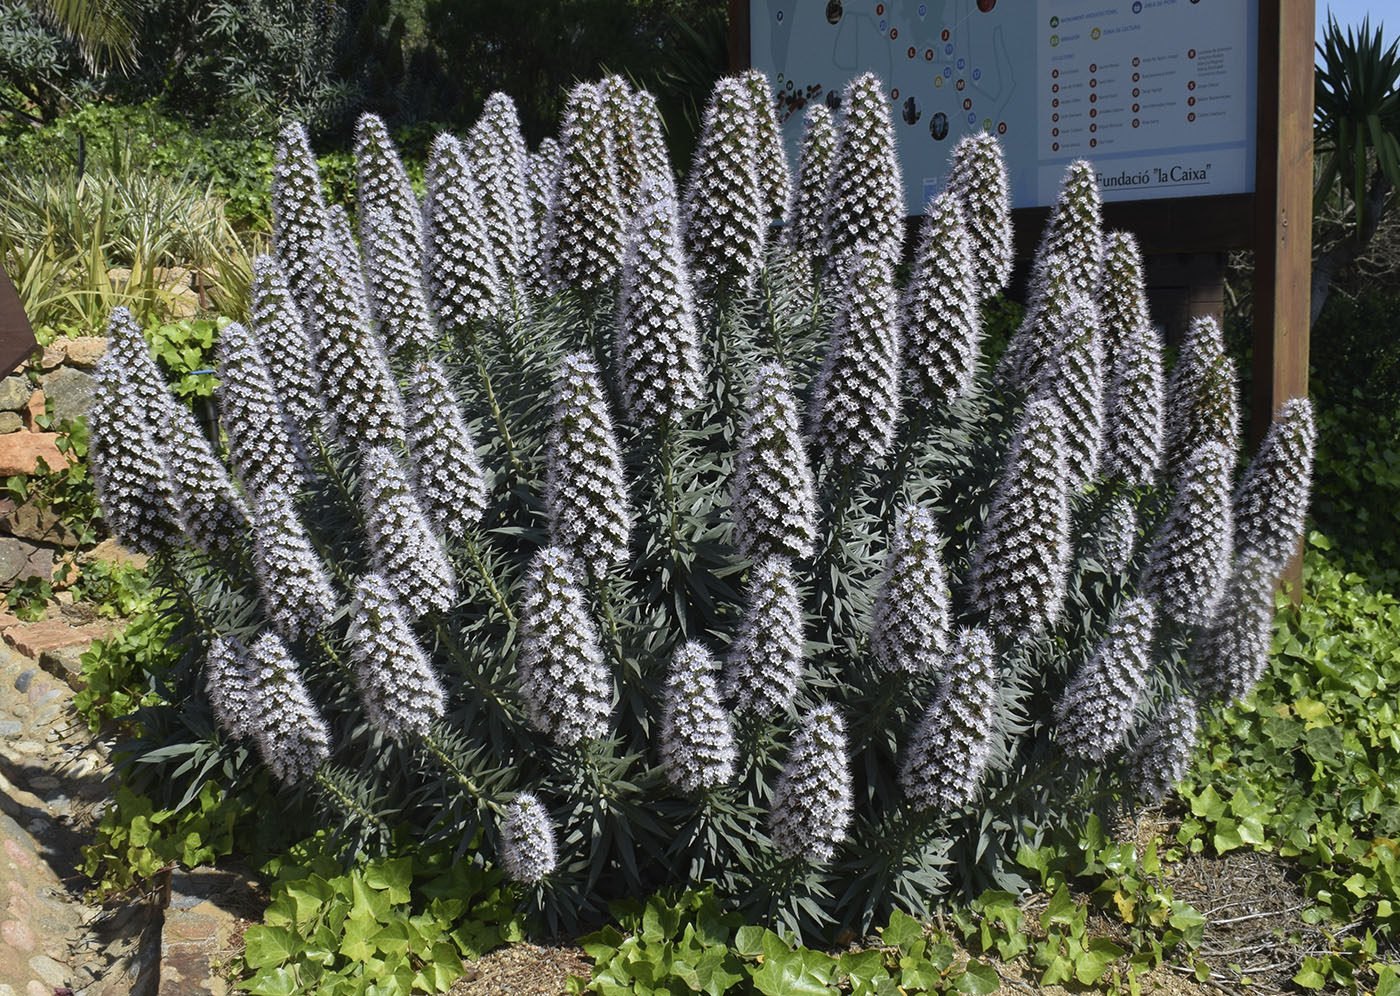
10, 728
52, 356
38, 405
39, 564
44, 783
20, 453
70, 391
30, 522
84, 352
24, 678
10, 422
49, 970
27, 747
13, 557
17, 935
14, 393
115, 554
32, 639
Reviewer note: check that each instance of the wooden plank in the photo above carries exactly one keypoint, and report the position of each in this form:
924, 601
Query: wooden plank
1181, 224
16, 337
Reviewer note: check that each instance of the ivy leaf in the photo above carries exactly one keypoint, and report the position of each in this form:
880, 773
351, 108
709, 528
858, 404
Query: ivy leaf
265, 946
978, 979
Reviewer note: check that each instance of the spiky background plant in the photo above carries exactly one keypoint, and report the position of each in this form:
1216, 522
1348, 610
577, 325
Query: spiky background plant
599, 527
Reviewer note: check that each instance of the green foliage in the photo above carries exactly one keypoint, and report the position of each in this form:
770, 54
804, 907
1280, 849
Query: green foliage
390, 925
66, 492
29, 597
1358, 487
185, 351
116, 590
123, 672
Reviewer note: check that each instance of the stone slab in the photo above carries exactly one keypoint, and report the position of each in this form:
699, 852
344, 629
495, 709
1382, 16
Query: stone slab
14, 393
69, 391
33, 639
20, 452
64, 663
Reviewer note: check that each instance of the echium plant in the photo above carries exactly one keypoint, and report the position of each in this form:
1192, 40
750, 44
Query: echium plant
557, 575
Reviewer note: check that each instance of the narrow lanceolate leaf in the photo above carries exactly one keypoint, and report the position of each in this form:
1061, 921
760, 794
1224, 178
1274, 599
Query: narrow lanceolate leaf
812, 806
289, 731
774, 180
865, 207
451, 483
950, 748
764, 666
563, 678
1074, 378
460, 264
1233, 653
585, 490
298, 211
943, 323
527, 840
725, 217
213, 512
909, 631
1019, 567
394, 278
977, 178
657, 348
697, 734
291, 358
855, 403
1203, 402
403, 548
617, 106
1190, 558
586, 212
1135, 410
816, 159
361, 396
228, 682
497, 150
1098, 708
1161, 757
296, 591
1272, 500
652, 156
774, 502
401, 694
264, 448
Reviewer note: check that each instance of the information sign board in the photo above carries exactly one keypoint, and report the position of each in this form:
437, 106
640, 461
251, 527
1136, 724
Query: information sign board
1159, 94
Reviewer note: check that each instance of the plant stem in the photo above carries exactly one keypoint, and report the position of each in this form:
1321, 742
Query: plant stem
778, 347
484, 570
605, 603
496, 413
446, 763
468, 671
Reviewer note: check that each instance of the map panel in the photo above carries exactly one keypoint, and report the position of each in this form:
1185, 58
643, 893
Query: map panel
1159, 94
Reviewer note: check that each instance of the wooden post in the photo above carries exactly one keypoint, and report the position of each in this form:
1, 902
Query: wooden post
1283, 199
738, 35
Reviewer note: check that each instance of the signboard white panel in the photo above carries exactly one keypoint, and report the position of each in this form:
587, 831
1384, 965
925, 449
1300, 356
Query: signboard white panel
1159, 94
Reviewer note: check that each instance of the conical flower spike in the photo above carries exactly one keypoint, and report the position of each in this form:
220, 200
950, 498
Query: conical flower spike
403, 548
400, 691
943, 323
812, 801
977, 178
586, 220
1190, 558
460, 263
527, 840
451, 483
290, 733
1097, 709
298, 211
296, 592
865, 207
910, 628
499, 162
764, 666
697, 735
774, 501
1272, 500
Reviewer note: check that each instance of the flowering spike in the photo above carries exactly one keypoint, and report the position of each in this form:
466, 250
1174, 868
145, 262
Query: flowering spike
1203, 403
1075, 379
1161, 757
460, 263
812, 801
774, 502
527, 840
1118, 533
381, 185
617, 106
652, 154
764, 666
865, 205
403, 548
1019, 568
1075, 227
563, 678
1122, 296
277, 319
586, 211
498, 159
290, 734
952, 745
1190, 558
1233, 653
296, 592
263, 447
977, 178
212, 510
585, 491
774, 179
697, 735
943, 323
298, 211
910, 627
400, 691
544, 166
1097, 709
725, 223
361, 394
816, 159
855, 403
342, 248
657, 345
228, 682
1036, 340
1135, 410
1272, 500
393, 271
451, 483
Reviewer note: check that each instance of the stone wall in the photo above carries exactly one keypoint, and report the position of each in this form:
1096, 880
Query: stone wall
56, 381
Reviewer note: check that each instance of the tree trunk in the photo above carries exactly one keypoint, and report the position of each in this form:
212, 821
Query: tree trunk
1337, 259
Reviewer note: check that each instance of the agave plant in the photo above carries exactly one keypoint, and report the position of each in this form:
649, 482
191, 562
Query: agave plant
632, 545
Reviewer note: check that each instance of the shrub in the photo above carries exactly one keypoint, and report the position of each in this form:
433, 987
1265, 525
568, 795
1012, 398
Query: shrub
662, 648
